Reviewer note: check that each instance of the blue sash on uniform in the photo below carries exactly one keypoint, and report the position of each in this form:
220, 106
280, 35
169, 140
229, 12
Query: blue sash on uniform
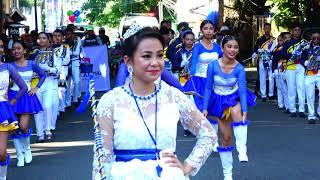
142, 154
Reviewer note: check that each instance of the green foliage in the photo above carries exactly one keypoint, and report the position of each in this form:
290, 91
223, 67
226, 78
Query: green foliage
109, 12
26, 3
294, 10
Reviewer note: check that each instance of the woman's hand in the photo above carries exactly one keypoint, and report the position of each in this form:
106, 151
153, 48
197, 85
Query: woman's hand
173, 161
33, 91
13, 101
244, 116
205, 113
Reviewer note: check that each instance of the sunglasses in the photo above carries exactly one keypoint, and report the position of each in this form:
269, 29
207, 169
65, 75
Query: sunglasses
1, 46
315, 38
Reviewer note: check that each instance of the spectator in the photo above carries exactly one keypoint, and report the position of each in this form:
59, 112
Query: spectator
91, 39
104, 38
26, 37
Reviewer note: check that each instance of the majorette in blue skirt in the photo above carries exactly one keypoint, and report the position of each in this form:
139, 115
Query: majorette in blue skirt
27, 104
8, 119
224, 91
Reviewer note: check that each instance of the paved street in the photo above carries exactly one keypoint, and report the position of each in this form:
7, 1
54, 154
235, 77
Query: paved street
280, 148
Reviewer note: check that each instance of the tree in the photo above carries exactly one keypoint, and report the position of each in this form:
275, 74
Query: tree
304, 11
101, 12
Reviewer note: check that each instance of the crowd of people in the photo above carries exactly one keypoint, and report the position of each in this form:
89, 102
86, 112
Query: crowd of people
163, 79
289, 64
40, 77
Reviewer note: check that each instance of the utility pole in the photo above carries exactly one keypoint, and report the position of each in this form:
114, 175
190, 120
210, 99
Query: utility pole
1, 17
35, 14
160, 9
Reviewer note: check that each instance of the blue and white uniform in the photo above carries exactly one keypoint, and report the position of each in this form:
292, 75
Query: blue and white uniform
27, 104
223, 91
48, 94
8, 120
201, 58
74, 91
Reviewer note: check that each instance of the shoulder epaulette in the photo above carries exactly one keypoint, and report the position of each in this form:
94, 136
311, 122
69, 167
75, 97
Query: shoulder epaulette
66, 46
179, 46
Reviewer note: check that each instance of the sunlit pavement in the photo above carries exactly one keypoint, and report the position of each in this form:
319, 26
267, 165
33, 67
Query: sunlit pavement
279, 148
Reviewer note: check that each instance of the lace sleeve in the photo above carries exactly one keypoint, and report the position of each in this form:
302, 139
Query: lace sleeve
104, 118
193, 120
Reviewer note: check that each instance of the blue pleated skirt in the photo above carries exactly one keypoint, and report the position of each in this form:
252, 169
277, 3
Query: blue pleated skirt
219, 103
196, 85
7, 113
26, 104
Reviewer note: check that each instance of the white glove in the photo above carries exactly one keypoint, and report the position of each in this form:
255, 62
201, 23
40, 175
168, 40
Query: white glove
184, 63
275, 74
306, 63
260, 50
45, 67
254, 56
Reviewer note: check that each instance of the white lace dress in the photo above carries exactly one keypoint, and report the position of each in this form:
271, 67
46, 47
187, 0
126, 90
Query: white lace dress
122, 128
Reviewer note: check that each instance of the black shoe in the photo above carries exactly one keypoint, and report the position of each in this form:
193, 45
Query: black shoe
312, 121
281, 109
302, 115
40, 140
293, 114
187, 133
271, 98
286, 111
264, 99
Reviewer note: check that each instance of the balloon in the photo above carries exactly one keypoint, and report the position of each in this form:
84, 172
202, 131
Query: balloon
70, 13
76, 13
72, 18
78, 19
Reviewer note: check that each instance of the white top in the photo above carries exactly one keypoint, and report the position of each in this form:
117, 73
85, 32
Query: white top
122, 128
4, 83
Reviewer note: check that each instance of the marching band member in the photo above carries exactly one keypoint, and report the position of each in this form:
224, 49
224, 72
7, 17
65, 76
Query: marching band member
8, 120
75, 52
28, 103
278, 68
204, 52
294, 72
227, 97
262, 55
184, 52
48, 60
310, 54
64, 57
183, 57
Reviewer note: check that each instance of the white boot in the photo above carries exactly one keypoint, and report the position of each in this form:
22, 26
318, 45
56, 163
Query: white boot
19, 149
240, 133
3, 168
25, 139
27, 149
3, 172
226, 161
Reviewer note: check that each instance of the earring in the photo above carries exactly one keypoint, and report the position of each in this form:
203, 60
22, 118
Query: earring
130, 69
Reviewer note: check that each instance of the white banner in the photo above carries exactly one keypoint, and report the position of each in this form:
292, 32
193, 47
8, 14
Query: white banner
99, 58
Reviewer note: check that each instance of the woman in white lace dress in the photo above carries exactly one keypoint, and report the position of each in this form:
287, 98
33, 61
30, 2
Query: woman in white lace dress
138, 121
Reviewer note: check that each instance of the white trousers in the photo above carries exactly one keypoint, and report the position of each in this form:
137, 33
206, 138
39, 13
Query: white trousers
62, 98
282, 91
310, 83
48, 96
265, 75
295, 83
73, 90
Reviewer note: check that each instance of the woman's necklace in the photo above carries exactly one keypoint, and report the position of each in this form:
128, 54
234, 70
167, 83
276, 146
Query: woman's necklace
154, 139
